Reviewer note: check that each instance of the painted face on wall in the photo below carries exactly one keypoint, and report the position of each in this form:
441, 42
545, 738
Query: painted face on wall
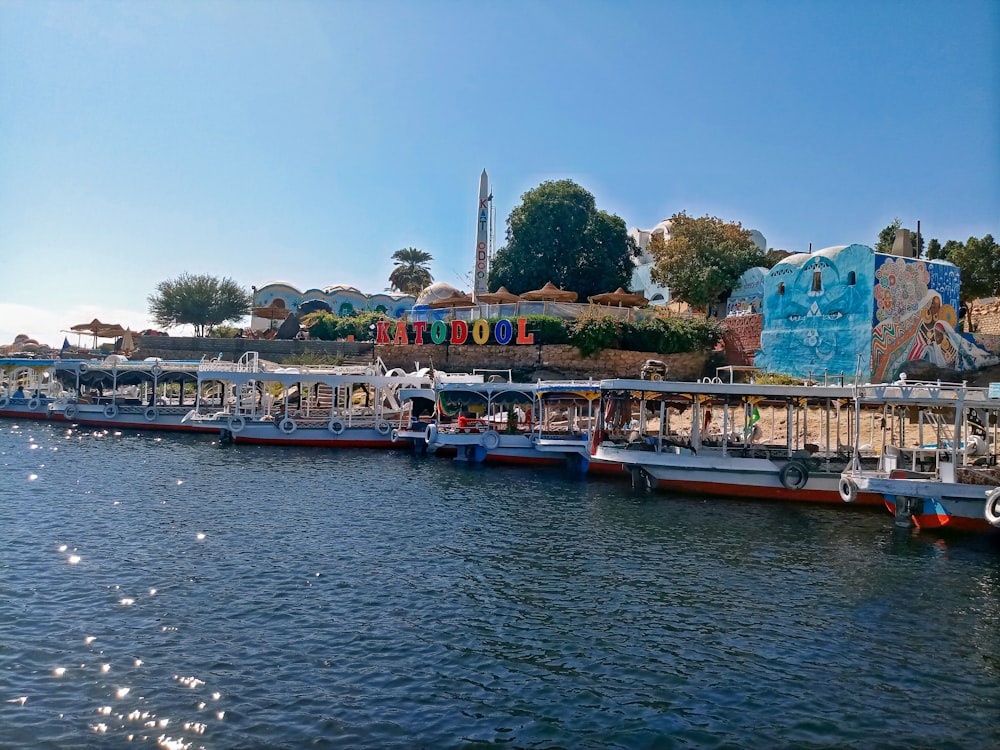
814, 309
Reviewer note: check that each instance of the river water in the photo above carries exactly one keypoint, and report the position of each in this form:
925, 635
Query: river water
166, 591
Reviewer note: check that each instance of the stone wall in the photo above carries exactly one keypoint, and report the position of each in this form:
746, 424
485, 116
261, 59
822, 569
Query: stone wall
986, 316
275, 350
555, 361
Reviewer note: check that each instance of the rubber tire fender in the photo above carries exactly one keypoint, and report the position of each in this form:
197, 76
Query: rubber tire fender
794, 475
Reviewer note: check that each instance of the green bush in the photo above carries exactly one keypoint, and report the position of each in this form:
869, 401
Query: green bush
658, 335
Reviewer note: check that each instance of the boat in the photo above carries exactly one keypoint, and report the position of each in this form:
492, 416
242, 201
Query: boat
28, 387
118, 393
938, 450
732, 439
485, 417
303, 405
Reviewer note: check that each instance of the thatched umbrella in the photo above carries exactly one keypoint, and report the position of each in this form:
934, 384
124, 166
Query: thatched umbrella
457, 299
549, 293
619, 298
272, 313
500, 297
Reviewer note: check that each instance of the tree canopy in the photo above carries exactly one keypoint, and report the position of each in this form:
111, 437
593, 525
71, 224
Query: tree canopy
558, 234
411, 274
979, 260
199, 300
704, 258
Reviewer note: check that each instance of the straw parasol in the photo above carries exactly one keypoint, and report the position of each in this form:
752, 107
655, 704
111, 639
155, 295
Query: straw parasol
619, 298
272, 312
549, 293
457, 299
500, 297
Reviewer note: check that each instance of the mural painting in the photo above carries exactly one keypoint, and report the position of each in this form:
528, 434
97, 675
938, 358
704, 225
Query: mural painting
916, 316
818, 312
849, 310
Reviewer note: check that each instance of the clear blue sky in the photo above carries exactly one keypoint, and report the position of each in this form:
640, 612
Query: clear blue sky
308, 141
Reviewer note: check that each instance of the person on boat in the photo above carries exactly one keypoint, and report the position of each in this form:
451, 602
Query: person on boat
463, 420
19, 393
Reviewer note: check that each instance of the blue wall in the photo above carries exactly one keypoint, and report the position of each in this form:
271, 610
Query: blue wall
818, 313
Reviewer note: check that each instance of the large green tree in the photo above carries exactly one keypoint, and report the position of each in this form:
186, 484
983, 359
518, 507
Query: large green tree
704, 258
199, 300
979, 260
411, 274
558, 234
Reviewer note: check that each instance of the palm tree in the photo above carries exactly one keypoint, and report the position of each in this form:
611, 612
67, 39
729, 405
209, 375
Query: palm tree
410, 275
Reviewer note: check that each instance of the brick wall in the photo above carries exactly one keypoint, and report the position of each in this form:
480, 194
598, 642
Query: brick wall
986, 317
741, 338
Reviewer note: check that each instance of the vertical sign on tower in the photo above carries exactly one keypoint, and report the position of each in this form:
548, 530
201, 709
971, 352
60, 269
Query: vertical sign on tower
482, 238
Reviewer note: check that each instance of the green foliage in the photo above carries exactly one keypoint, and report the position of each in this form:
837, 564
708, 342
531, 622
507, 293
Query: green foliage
329, 327
557, 234
224, 332
660, 335
199, 300
704, 258
310, 358
547, 329
591, 335
979, 260
411, 275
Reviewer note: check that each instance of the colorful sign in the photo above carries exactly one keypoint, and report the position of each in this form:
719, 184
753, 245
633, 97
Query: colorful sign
482, 238
453, 332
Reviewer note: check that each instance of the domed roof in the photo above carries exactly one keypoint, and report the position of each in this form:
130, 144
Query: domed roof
341, 288
437, 290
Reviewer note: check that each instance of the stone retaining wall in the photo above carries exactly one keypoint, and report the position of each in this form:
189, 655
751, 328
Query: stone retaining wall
527, 362
550, 361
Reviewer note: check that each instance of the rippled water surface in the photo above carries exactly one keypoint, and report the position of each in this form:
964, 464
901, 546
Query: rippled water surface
169, 592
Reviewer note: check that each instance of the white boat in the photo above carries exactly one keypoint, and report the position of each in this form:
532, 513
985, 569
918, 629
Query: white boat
494, 420
739, 440
118, 393
329, 406
487, 418
938, 450
28, 387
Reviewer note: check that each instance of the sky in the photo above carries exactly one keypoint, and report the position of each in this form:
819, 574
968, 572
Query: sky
306, 142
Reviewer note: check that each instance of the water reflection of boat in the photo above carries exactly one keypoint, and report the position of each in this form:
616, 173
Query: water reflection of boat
782, 442
938, 445
331, 406
28, 387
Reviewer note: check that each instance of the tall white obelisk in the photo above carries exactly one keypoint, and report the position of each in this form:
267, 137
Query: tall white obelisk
482, 238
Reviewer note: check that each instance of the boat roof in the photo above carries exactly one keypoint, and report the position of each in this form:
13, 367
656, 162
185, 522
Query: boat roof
744, 390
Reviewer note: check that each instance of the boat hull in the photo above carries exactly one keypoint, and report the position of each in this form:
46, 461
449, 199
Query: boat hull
932, 505
729, 476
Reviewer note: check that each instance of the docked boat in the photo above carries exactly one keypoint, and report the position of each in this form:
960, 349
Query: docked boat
741, 440
938, 450
485, 417
492, 419
28, 388
118, 393
327, 406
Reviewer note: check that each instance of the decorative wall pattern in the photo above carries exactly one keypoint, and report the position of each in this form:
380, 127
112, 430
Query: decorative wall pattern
848, 310
915, 317
818, 312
